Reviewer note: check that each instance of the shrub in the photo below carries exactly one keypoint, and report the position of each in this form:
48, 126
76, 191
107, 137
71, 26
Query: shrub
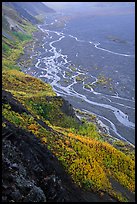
5, 48
21, 36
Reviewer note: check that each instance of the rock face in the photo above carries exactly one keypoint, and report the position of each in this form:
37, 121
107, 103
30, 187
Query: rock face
67, 108
27, 171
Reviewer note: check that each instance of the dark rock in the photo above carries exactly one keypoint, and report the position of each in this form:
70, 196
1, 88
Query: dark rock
4, 198
16, 106
14, 166
16, 196
35, 194
26, 162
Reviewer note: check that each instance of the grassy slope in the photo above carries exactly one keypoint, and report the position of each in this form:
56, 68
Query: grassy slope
90, 161
13, 45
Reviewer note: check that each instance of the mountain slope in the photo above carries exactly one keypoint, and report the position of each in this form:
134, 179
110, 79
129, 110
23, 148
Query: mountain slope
33, 173
34, 8
29, 10
48, 154
11, 9
14, 14
92, 163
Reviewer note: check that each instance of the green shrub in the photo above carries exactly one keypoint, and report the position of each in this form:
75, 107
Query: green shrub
5, 47
87, 129
21, 36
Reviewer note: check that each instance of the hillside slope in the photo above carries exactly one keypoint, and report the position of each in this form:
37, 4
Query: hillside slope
29, 10
30, 104
18, 17
48, 154
30, 172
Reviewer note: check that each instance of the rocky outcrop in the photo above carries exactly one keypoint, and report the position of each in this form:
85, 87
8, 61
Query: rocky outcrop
28, 173
16, 106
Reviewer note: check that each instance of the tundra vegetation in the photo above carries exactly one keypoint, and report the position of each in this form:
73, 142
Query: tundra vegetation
85, 155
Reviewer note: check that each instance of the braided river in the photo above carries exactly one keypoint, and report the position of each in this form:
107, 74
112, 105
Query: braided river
74, 57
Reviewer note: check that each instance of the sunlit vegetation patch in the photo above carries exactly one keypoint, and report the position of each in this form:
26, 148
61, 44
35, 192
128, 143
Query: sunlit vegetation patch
87, 86
90, 116
29, 28
80, 78
103, 80
125, 147
5, 47
88, 130
9, 62
22, 84
118, 144
12, 49
49, 108
24, 120
118, 196
68, 74
91, 163
72, 68
21, 36
37, 97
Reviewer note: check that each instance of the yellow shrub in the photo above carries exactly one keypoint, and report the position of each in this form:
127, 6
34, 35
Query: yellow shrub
33, 127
